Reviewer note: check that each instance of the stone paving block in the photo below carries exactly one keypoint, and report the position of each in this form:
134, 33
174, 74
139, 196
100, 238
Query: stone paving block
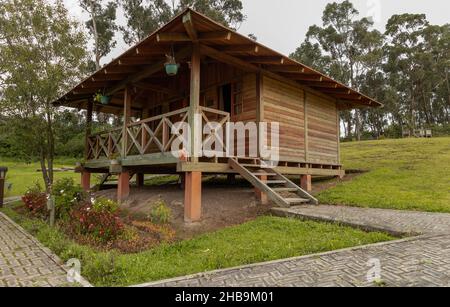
423, 260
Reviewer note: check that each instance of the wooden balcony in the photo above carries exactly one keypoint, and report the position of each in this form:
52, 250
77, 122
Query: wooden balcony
147, 142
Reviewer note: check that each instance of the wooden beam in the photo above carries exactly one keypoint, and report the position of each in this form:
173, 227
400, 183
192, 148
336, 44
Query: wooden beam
286, 68
226, 58
353, 97
90, 107
172, 37
240, 48
119, 70
259, 105
305, 111
264, 59
127, 100
323, 84
337, 91
150, 50
103, 77
305, 77
189, 27
193, 197
94, 84
183, 37
155, 88
148, 71
135, 61
215, 35
194, 100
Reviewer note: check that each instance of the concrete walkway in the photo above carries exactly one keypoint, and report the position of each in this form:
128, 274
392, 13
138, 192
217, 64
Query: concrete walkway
423, 260
24, 262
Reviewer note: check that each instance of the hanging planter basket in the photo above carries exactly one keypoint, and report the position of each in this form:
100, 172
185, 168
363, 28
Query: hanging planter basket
105, 100
100, 98
172, 68
171, 65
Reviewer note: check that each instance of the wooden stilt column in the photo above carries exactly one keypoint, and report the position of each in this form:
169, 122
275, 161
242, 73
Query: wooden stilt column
261, 196
123, 187
195, 102
86, 181
193, 197
90, 107
140, 180
306, 183
231, 178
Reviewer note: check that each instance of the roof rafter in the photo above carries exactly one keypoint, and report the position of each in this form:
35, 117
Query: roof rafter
147, 71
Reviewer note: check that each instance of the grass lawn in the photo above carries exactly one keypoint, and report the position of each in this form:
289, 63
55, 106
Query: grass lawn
24, 175
409, 174
264, 239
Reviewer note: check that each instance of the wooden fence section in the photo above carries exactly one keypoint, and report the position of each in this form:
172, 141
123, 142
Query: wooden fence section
107, 144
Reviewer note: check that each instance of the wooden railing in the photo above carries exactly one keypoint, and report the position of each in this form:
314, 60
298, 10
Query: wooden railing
221, 118
107, 144
153, 135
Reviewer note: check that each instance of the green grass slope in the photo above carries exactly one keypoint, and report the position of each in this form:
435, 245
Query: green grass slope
409, 174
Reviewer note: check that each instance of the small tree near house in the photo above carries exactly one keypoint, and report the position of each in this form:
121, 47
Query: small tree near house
42, 55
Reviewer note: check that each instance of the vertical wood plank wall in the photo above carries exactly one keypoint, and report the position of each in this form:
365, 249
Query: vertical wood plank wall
286, 104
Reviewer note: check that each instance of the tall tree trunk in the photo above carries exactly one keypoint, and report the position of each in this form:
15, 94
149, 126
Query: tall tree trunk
96, 44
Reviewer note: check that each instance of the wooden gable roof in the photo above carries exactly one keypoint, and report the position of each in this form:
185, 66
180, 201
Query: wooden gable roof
146, 59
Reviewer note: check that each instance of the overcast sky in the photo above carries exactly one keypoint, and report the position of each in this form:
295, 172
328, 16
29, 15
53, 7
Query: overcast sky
282, 24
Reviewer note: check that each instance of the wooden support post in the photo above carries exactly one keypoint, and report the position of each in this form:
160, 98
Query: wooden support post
259, 109
306, 183
90, 107
86, 181
123, 186
231, 178
126, 120
195, 101
182, 180
193, 197
260, 195
140, 180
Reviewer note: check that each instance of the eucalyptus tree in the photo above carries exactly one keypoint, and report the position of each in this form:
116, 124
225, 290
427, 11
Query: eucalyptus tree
145, 16
102, 27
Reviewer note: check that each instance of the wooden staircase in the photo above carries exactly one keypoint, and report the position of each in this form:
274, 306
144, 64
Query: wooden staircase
278, 188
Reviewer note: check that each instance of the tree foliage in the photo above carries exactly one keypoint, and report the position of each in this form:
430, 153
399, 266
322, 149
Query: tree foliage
43, 54
145, 16
406, 68
102, 27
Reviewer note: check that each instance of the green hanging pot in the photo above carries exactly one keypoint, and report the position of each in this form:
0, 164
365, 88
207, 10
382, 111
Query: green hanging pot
105, 99
172, 69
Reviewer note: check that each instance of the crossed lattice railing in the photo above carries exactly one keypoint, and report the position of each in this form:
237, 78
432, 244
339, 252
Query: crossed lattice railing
153, 135
107, 144
214, 142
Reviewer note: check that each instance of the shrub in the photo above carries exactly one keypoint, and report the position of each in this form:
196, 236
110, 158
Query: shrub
67, 195
101, 224
102, 204
160, 213
36, 201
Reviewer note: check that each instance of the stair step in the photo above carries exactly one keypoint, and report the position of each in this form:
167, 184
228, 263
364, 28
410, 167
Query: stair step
264, 174
285, 189
293, 201
256, 166
274, 181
